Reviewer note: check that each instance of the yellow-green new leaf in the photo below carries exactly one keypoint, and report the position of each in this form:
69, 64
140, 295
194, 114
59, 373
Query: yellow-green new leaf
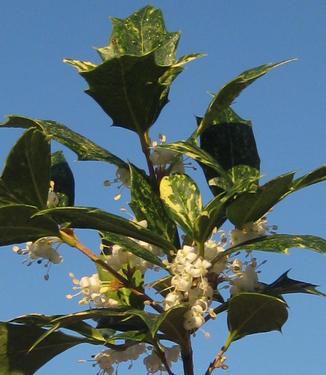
183, 201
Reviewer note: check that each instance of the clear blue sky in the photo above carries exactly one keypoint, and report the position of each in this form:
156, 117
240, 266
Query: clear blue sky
287, 109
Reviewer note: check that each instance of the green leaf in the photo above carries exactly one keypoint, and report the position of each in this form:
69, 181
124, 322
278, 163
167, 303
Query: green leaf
147, 205
93, 218
16, 225
285, 285
45, 321
25, 178
318, 175
198, 154
183, 201
133, 247
64, 182
139, 34
224, 98
133, 81
249, 207
281, 243
250, 313
16, 340
212, 216
244, 179
171, 324
82, 146
123, 319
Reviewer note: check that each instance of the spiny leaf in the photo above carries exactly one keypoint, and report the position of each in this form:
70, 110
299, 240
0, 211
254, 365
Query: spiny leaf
285, 285
93, 218
25, 178
139, 34
139, 65
16, 225
147, 205
250, 313
82, 146
183, 201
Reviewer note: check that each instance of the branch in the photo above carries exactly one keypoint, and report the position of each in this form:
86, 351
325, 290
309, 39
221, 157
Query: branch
68, 237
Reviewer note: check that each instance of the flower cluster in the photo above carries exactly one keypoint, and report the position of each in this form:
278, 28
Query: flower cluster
93, 291
107, 359
190, 285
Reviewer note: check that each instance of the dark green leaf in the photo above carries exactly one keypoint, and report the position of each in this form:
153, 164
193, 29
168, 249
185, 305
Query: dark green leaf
171, 324
212, 216
281, 243
147, 205
16, 225
25, 178
249, 207
250, 313
224, 98
123, 318
64, 182
234, 148
139, 84
93, 218
285, 285
83, 147
133, 81
16, 340
133, 247
183, 201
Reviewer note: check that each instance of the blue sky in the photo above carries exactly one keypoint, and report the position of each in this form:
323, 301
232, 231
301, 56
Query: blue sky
287, 109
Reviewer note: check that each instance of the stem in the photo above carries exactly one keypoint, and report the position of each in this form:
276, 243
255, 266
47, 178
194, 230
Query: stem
187, 358
68, 237
218, 361
162, 357
145, 144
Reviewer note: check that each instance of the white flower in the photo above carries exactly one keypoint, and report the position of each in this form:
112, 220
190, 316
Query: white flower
93, 291
213, 249
43, 248
247, 281
108, 358
193, 319
198, 268
164, 158
249, 231
172, 299
182, 283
